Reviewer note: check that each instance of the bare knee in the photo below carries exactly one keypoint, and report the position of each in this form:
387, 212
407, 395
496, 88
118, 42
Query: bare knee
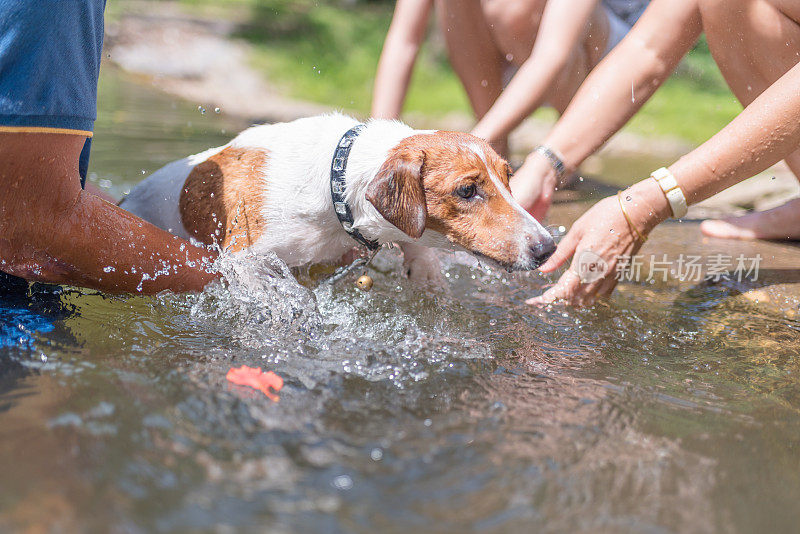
512, 15
513, 23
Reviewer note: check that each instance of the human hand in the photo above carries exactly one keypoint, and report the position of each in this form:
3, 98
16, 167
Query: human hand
533, 185
597, 241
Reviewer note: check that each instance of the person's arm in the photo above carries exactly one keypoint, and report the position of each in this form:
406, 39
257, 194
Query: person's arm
560, 33
763, 134
614, 91
53, 231
400, 49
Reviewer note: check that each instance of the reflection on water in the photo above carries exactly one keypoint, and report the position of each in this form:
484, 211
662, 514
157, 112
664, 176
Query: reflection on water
402, 408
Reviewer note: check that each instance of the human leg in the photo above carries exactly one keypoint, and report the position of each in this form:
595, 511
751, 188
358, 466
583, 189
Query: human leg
755, 42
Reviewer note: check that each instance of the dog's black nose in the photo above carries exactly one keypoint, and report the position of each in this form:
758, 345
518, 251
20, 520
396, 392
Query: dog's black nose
540, 252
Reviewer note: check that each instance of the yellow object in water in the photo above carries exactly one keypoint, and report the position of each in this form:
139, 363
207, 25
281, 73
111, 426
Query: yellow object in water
364, 282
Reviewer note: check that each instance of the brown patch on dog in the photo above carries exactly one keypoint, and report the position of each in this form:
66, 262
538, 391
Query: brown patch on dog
490, 226
222, 201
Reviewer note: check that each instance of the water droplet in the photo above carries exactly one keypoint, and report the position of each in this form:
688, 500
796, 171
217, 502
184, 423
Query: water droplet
217, 110
628, 198
201, 109
427, 422
343, 482
109, 269
376, 454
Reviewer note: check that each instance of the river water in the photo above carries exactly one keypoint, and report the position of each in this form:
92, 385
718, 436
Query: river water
669, 408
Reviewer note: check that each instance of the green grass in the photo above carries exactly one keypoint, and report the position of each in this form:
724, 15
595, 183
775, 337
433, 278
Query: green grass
694, 104
680, 110
328, 53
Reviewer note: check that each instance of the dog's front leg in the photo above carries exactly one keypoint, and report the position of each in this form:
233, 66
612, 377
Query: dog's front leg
422, 265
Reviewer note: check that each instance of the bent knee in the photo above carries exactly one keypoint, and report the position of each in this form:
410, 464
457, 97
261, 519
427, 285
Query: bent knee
513, 17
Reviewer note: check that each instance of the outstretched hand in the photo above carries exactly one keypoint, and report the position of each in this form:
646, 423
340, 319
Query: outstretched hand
596, 242
533, 185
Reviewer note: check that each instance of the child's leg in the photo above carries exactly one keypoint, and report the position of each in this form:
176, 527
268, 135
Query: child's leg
485, 36
584, 59
514, 25
475, 55
755, 42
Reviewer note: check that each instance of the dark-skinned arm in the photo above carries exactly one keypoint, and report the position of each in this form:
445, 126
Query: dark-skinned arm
53, 231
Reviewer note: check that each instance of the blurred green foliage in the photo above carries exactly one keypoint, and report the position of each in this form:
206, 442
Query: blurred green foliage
328, 52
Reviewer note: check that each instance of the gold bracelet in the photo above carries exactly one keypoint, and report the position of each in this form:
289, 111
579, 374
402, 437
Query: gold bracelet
628, 218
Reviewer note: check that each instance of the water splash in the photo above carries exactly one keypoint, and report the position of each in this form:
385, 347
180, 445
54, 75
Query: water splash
260, 296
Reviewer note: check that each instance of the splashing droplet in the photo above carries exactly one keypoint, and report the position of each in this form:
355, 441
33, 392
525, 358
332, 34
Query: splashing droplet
343, 482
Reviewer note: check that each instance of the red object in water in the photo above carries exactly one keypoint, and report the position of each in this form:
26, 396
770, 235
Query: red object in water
256, 378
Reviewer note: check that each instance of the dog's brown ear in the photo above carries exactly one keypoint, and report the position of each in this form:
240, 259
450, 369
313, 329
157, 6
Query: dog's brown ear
397, 192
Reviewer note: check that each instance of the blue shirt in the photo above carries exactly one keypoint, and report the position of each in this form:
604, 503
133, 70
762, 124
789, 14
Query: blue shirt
50, 54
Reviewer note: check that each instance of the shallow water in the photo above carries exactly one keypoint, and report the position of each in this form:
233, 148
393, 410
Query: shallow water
665, 409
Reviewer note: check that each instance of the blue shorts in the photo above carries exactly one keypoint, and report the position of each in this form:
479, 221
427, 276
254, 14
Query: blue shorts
50, 53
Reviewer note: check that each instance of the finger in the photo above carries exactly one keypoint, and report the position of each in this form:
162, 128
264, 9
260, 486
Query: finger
563, 290
607, 287
564, 252
587, 294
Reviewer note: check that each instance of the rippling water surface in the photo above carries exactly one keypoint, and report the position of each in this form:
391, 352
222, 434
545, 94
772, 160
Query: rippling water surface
403, 408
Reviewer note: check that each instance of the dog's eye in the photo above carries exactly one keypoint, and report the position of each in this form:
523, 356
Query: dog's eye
466, 191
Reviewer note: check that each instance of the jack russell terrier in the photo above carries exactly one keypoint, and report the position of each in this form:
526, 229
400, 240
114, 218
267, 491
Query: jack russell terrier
312, 189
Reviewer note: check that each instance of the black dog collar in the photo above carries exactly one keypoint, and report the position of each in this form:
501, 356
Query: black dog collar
338, 169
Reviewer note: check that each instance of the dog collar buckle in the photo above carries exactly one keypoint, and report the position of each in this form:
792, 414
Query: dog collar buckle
338, 186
